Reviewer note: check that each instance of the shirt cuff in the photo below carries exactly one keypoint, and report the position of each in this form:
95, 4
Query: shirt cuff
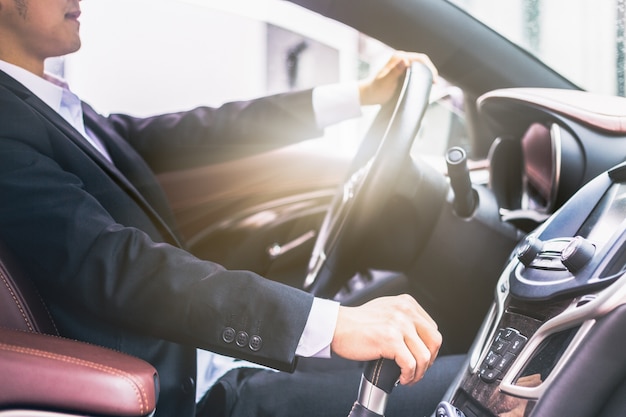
335, 103
319, 329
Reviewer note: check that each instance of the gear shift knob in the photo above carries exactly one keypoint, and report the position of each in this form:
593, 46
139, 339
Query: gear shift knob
379, 378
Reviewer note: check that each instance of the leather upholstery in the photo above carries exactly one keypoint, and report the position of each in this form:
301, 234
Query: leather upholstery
20, 304
52, 372
48, 372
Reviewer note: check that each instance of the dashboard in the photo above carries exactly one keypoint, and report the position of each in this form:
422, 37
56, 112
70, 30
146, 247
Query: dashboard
541, 154
548, 144
552, 342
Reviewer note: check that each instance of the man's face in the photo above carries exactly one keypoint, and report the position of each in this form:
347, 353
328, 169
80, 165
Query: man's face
39, 29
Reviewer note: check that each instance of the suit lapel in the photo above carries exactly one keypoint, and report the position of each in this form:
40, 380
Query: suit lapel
75, 136
129, 165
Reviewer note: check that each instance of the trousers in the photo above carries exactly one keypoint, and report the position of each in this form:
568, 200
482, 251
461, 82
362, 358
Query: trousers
319, 388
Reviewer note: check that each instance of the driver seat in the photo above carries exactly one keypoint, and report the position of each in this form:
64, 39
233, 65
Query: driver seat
44, 374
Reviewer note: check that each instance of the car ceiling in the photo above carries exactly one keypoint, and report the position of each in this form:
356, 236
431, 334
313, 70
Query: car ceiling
455, 42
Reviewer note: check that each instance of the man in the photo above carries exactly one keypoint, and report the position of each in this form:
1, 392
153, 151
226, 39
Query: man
83, 212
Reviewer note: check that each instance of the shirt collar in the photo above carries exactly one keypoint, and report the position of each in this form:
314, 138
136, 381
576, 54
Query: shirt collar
48, 89
55, 93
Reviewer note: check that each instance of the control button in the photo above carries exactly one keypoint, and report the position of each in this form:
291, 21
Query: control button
491, 359
255, 343
507, 344
505, 361
529, 249
489, 375
577, 254
507, 334
549, 263
500, 346
242, 339
228, 335
517, 344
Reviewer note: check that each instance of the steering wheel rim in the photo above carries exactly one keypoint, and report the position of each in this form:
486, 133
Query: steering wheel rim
361, 198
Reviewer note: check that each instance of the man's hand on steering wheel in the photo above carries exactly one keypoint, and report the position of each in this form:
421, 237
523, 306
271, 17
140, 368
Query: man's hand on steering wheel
380, 88
377, 166
396, 328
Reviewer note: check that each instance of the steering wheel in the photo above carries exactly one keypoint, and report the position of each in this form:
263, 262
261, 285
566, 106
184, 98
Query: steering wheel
374, 171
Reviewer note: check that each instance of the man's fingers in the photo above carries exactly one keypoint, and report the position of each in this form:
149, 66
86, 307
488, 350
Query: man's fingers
411, 57
395, 328
379, 89
423, 346
408, 366
423, 340
416, 339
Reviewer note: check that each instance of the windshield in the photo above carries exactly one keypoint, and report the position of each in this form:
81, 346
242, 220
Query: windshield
581, 39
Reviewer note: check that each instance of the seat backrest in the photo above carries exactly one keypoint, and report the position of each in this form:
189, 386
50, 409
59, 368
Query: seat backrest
21, 306
48, 372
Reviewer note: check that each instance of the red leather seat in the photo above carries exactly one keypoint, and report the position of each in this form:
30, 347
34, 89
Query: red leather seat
42, 371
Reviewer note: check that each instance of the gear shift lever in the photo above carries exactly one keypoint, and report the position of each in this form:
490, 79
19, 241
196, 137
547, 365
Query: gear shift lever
445, 409
379, 378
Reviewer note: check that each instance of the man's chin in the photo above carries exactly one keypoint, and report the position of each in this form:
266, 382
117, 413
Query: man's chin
74, 47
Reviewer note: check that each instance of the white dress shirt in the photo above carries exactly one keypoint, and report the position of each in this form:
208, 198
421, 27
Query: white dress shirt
56, 94
331, 104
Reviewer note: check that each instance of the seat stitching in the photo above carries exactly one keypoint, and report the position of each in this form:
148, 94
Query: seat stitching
377, 369
137, 386
17, 302
45, 308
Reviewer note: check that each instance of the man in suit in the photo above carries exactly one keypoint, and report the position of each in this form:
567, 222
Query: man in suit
82, 210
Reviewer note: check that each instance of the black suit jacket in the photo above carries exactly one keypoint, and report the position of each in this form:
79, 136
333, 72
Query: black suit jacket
99, 240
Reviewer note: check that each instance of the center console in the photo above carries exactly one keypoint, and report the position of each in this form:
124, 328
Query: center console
540, 351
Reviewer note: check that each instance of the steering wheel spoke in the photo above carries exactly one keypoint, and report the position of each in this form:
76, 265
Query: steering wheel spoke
362, 197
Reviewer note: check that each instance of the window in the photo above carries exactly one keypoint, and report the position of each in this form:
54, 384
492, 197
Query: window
169, 55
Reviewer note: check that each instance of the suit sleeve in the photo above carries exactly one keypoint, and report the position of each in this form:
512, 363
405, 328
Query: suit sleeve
207, 134
94, 254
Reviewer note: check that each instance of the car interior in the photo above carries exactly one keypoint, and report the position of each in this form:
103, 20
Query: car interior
522, 271
44, 374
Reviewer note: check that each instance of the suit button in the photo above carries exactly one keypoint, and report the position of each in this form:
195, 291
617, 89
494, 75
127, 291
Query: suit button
255, 343
228, 335
242, 339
